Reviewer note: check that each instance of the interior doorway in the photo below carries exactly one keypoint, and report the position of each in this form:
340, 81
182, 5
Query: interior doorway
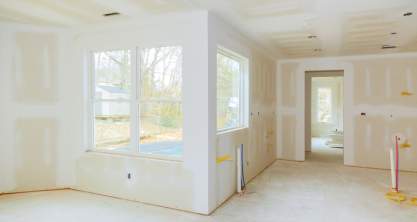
324, 116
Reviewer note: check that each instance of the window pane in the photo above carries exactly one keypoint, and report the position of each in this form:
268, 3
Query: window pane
228, 92
160, 103
112, 125
325, 105
112, 71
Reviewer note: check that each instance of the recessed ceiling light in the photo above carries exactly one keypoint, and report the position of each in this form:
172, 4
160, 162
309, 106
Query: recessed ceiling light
111, 14
407, 14
312, 36
388, 47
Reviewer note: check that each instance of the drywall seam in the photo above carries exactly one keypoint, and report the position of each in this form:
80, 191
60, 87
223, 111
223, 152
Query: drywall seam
280, 151
385, 110
368, 136
137, 201
368, 84
409, 80
300, 113
8, 180
344, 58
35, 191
279, 85
278, 91
47, 75
388, 83
348, 118
284, 110
293, 91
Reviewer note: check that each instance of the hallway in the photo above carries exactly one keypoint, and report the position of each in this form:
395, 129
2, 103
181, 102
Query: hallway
321, 153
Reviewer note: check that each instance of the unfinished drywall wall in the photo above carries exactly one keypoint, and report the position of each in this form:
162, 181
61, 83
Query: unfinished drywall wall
45, 126
35, 146
226, 171
286, 104
382, 81
259, 138
287, 137
35, 68
160, 182
288, 84
34, 153
380, 99
182, 184
37, 130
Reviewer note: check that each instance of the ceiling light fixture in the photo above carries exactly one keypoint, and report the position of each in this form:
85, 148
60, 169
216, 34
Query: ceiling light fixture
408, 14
388, 47
111, 14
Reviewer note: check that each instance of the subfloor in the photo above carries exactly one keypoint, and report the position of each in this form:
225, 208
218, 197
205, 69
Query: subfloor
320, 189
322, 153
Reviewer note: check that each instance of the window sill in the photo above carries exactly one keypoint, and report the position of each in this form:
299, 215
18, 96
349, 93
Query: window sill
227, 131
137, 155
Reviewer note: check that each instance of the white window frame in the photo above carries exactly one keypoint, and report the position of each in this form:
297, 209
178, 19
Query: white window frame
133, 149
243, 91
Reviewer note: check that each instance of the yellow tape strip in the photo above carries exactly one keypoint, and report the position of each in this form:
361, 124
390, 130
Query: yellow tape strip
405, 145
221, 159
395, 196
406, 93
413, 201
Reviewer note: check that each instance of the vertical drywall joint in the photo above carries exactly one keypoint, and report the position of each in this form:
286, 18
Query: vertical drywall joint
368, 85
409, 80
300, 107
388, 83
279, 104
368, 136
348, 113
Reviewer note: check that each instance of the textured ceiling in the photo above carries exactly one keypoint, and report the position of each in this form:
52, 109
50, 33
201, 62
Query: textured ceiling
287, 28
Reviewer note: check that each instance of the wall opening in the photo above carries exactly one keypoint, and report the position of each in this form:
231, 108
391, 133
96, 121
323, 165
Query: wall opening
324, 98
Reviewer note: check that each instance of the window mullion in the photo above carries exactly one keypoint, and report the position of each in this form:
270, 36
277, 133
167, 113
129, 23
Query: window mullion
91, 101
138, 93
241, 94
134, 129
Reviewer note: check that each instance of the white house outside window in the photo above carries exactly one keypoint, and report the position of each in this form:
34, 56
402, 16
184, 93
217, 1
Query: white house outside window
138, 109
